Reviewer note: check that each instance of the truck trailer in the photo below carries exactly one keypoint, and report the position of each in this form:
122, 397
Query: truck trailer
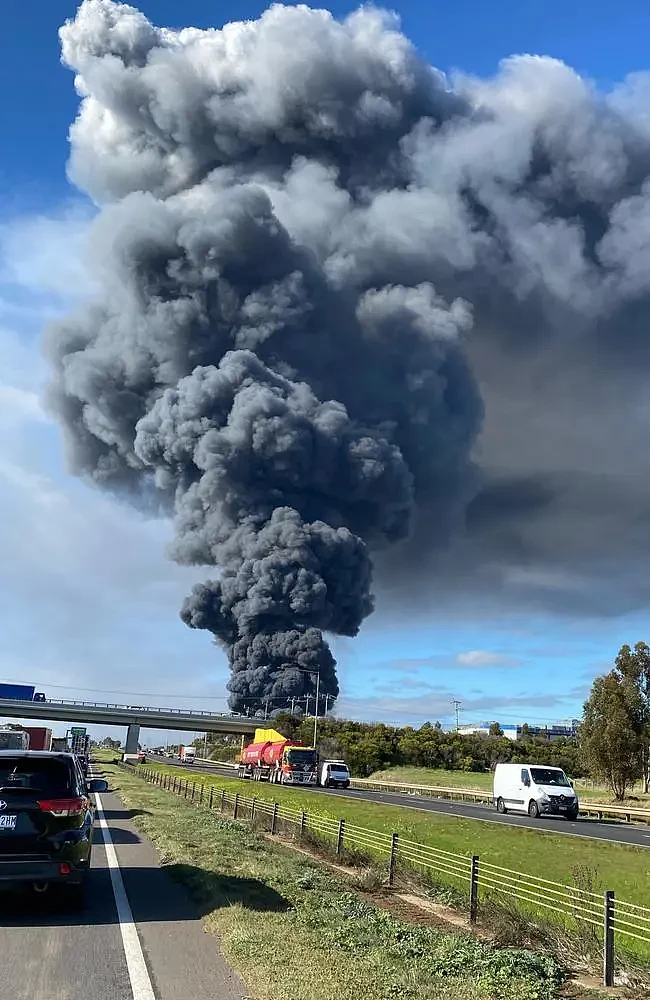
40, 738
14, 739
21, 692
272, 757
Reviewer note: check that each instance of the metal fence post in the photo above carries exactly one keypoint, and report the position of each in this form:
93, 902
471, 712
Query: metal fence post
473, 891
234, 815
392, 861
187, 786
274, 817
193, 790
339, 836
608, 939
211, 796
252, 809
223, 799
303, 822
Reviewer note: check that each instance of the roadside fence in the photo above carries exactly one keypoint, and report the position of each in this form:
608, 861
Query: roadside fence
481, 881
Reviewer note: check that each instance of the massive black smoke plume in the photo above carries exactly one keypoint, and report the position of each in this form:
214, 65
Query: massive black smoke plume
311, 249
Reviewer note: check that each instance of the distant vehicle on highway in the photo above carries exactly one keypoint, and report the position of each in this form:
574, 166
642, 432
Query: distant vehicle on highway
187, 754
142, 757
274, 758
334, 774
14, 739
534, 789
46, 820
21, 692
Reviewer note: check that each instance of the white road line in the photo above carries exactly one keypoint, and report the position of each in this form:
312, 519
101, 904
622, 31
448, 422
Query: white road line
140, 982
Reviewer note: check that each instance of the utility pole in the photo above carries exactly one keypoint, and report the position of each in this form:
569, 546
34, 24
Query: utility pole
457, 704
316, 713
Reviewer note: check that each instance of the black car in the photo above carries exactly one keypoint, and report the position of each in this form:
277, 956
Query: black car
46, 819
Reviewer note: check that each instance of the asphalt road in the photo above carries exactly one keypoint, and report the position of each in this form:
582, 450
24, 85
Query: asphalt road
621, 833
51, 951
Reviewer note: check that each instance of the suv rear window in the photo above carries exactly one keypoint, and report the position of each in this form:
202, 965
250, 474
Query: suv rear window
42, 774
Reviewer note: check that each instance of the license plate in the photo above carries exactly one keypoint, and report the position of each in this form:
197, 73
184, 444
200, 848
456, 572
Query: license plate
564, 807
8, 822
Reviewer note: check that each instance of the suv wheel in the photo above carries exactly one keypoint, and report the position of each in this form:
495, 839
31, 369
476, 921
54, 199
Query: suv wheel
533, 809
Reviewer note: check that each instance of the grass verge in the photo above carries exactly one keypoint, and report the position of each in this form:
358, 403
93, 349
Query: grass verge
482, 781
569, 859
296, 932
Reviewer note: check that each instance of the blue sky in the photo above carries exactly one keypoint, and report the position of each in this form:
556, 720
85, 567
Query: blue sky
89, 602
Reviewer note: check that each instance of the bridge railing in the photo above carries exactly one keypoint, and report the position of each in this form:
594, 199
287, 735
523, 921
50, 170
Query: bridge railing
132, 708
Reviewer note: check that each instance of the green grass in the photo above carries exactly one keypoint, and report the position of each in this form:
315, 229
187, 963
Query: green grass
474, 780
482, 781
606, 865
296, 931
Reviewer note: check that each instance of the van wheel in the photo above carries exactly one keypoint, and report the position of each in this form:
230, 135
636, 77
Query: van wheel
533, 809
501, 807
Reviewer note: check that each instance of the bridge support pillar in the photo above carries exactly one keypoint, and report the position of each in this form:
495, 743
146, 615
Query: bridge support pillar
132, 739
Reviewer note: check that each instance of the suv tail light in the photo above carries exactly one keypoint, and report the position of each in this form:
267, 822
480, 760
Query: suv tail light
63, 807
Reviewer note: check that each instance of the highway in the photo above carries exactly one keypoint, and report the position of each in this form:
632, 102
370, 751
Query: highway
621, 833
151, 947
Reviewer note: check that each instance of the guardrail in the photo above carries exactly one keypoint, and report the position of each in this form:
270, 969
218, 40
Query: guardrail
137, 708
598, 809
482, 880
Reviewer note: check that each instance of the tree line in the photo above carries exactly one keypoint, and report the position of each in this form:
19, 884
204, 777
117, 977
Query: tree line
612, 744
369, 747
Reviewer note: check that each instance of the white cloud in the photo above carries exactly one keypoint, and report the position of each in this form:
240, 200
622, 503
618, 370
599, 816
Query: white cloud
484, 658
46, 255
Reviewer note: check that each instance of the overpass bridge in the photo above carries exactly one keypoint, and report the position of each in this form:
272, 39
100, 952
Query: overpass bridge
134, 717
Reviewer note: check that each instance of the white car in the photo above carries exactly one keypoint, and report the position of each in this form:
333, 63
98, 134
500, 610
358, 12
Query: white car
534, 789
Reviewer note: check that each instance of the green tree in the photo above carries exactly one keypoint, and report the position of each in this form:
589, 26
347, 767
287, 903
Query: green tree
610, 735
633, 665
495, 729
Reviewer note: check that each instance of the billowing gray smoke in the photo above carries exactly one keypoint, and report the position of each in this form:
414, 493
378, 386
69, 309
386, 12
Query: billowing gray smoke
311, 250
291, 418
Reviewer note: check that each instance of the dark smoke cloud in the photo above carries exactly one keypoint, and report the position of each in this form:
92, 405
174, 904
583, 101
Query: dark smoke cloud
291, 421
312, 250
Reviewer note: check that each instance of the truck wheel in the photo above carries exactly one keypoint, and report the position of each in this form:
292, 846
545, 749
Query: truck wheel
501, 807
533, 809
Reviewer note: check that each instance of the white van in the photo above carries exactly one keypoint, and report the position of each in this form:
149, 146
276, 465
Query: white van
334, 774
535, 789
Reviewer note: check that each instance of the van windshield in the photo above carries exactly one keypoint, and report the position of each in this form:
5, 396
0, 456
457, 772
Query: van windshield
549, 776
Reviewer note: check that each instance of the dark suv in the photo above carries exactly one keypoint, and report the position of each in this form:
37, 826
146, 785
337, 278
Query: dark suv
46, 819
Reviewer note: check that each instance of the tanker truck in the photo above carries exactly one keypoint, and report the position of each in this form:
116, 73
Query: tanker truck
272, 757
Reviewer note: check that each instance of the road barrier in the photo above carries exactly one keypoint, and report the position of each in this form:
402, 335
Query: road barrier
482, 881
599, 809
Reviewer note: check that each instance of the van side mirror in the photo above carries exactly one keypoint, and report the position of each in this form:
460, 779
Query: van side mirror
527, 781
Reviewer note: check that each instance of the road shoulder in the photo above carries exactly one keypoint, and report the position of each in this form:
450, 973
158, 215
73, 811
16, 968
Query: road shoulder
183, 961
